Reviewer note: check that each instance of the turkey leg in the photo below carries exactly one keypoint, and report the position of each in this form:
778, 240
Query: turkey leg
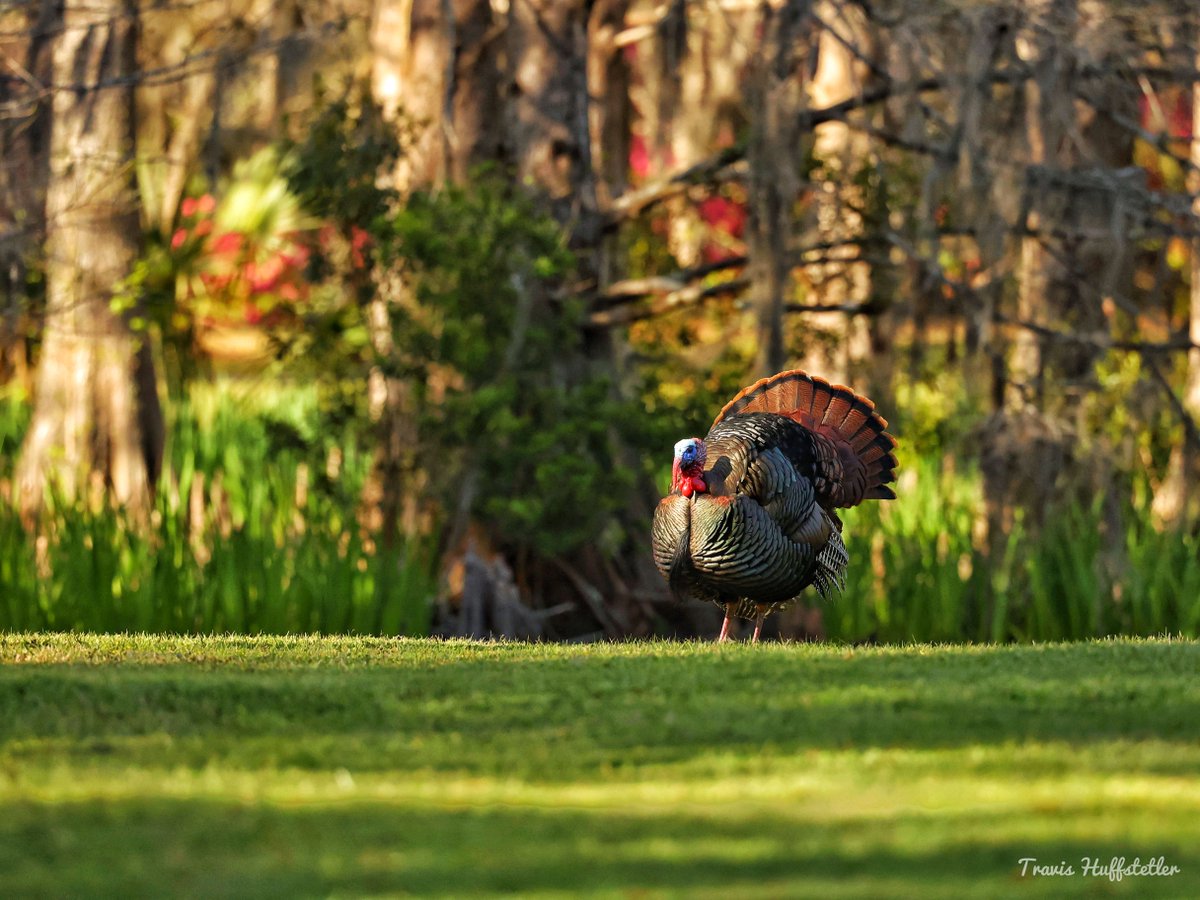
724, 636
758, 620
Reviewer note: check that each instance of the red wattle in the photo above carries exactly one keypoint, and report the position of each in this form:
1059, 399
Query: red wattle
688, 481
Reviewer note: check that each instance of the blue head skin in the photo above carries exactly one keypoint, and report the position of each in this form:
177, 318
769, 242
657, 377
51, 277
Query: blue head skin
687, 452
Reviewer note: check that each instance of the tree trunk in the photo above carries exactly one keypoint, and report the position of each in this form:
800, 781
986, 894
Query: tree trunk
408, 66
1043, 121
473, 96
97, 417
409, 54
1026, 449
548, 114
550, 135
435, 68
24, 130
837, 343
1173, 497
436, 65
775, 100
165, 180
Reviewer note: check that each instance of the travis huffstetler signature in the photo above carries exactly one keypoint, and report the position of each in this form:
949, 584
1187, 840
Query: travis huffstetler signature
1114, 869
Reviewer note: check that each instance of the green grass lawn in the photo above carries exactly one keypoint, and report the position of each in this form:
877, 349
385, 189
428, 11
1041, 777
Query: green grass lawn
342, 766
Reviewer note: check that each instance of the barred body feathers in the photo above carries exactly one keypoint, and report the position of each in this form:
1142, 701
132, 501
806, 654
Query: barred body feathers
750, 521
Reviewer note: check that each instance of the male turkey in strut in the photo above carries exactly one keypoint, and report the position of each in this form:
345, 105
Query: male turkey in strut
750, 519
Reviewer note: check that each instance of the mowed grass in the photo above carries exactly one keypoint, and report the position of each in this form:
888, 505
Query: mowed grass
223, 766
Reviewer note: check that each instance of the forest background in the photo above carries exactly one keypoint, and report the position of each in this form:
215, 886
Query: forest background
382, 317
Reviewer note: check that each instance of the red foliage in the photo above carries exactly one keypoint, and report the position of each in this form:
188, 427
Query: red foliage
227, 242
724, 215
264, 277
639, 157
297, 257
1174, 106
204, 204
240, 272
360, 240
216, 282
727, 217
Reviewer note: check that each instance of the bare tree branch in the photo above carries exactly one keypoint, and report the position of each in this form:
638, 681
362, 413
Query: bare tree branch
692, 295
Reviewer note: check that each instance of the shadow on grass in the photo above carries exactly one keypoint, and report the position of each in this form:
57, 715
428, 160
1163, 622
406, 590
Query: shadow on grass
201, 848
561, 718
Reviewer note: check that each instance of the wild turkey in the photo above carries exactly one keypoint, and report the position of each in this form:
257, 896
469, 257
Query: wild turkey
750, 520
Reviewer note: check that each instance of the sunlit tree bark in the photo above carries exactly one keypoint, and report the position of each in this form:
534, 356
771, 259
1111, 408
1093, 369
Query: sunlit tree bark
408, 71
409, 58
97, 415
1048, 111
841, 342
435, 66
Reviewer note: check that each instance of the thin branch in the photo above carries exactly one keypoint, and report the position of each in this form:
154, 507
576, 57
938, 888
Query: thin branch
871, 307
706, 171
197, 63
693, 295
632, 289
1098, 340
1190, 428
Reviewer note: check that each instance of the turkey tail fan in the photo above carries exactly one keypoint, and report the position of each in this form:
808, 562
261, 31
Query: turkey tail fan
837, 413
788, 393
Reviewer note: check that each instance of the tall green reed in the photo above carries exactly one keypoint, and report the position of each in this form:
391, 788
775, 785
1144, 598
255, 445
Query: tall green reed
253, 530
919, 570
